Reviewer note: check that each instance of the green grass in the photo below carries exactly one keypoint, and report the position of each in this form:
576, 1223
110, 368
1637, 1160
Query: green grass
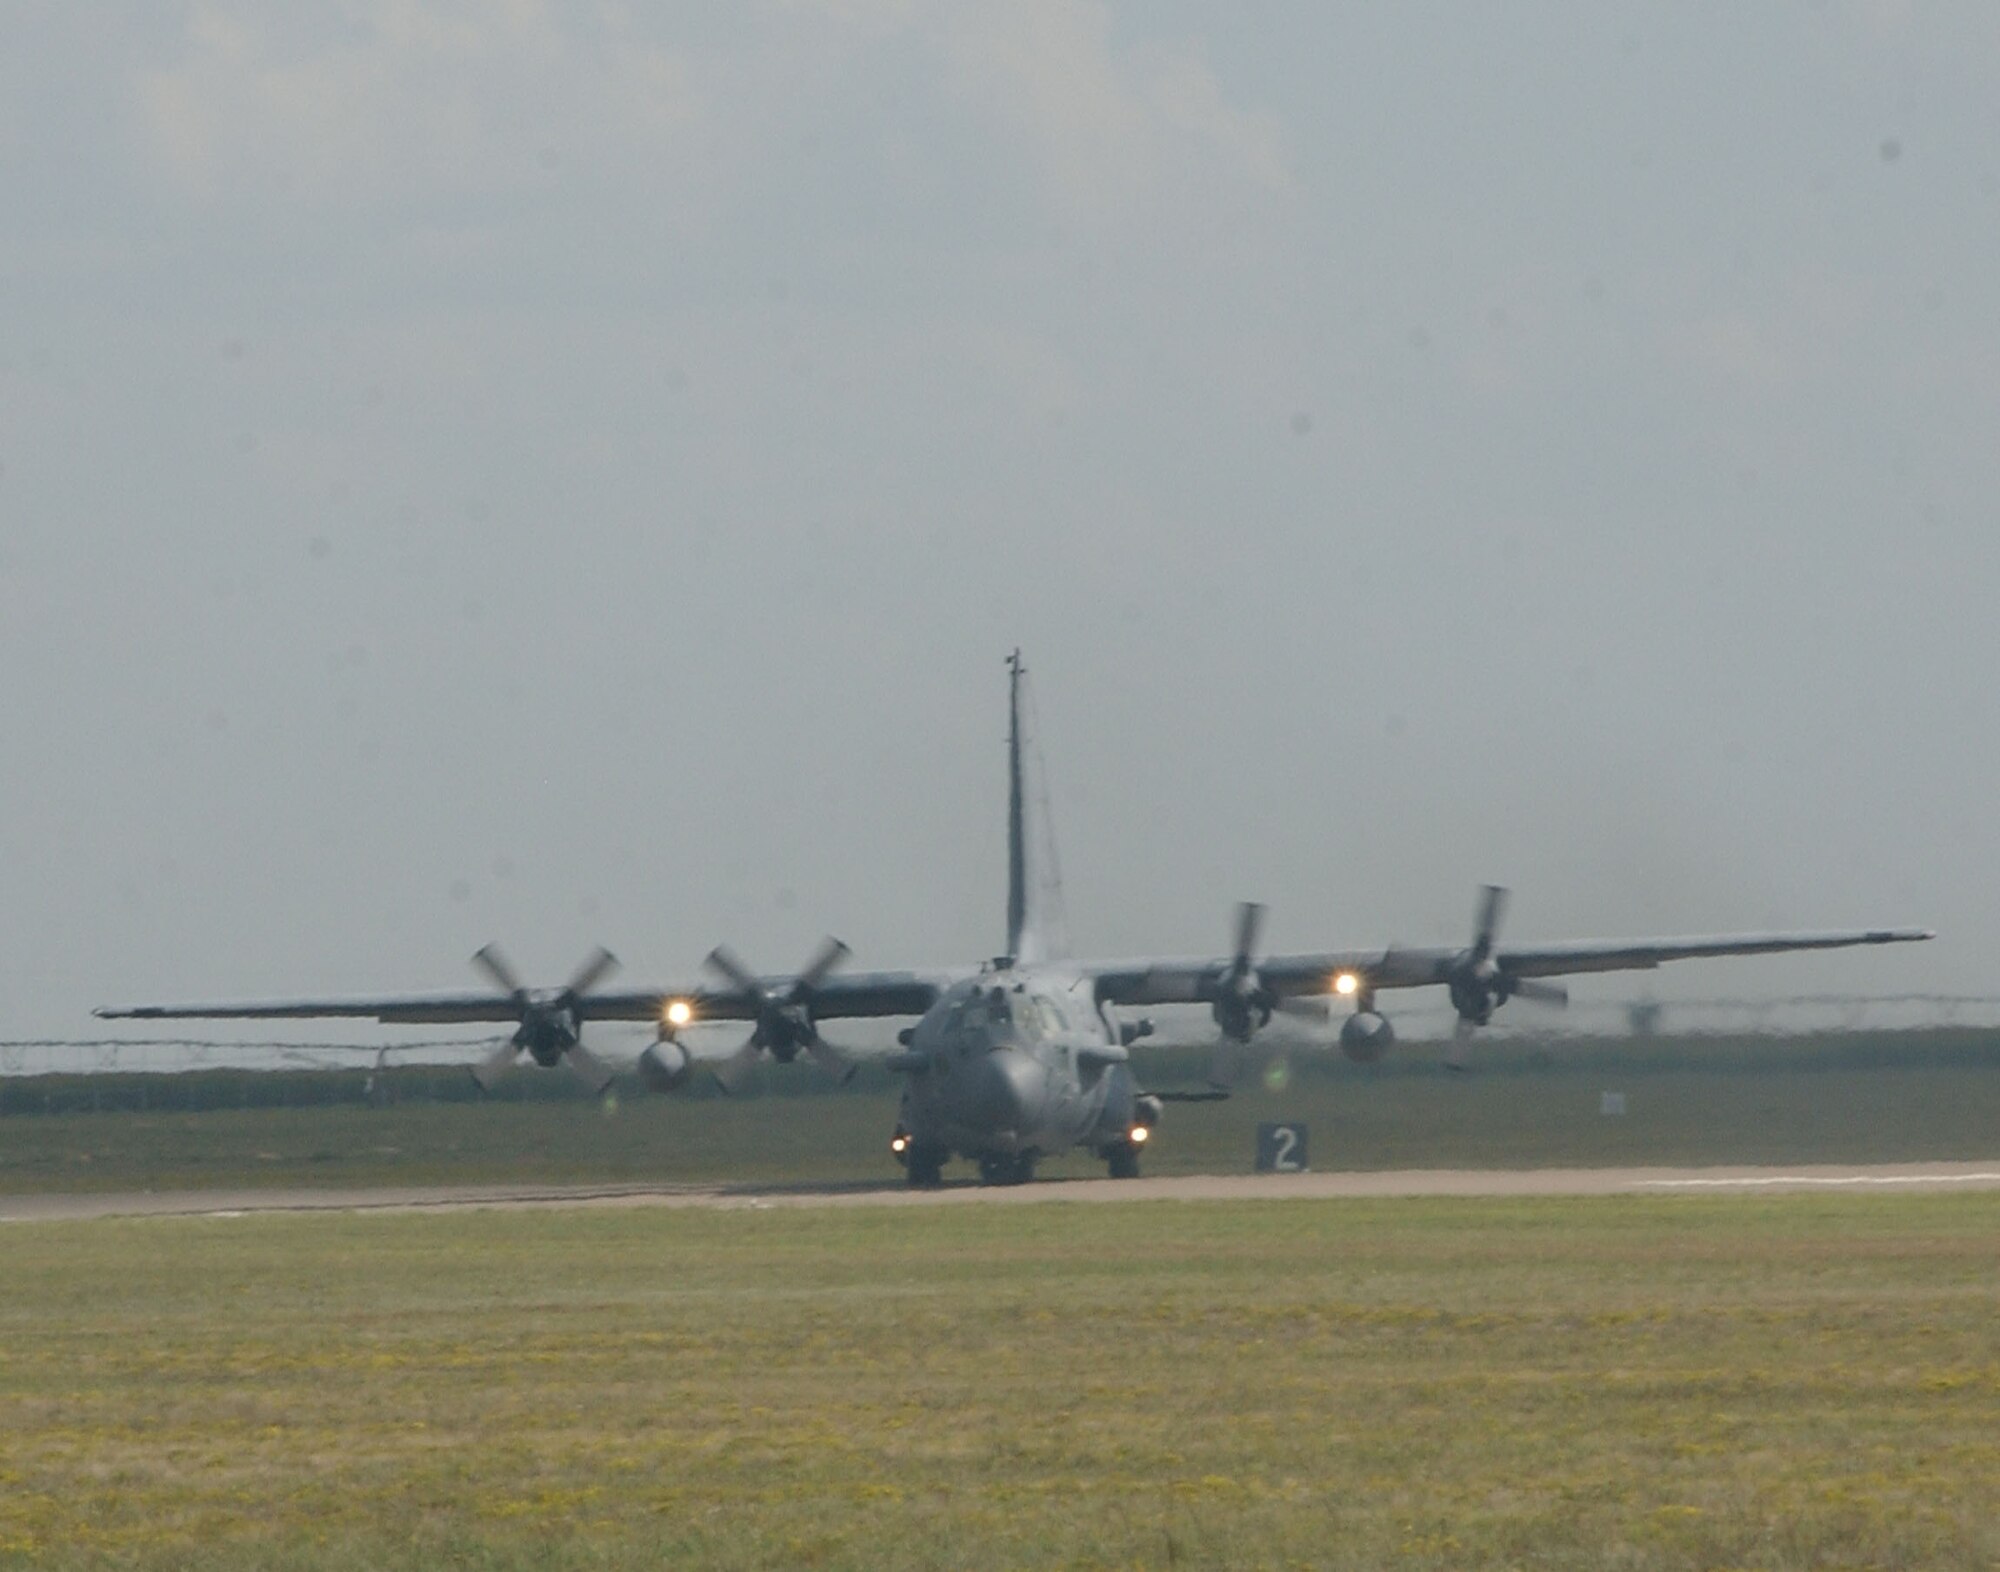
1636, 1383
1838, 1099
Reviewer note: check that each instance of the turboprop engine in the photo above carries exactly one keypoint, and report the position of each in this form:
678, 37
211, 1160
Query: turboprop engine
1242, 1005
1366, 1036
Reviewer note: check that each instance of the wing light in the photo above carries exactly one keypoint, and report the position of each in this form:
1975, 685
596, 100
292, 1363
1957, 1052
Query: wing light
678, 1012
1346, 985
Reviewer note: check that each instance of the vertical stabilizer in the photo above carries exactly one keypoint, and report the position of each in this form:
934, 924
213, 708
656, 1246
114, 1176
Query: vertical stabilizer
1035, 924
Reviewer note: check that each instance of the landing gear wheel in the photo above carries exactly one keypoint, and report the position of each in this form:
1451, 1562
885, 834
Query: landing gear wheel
1016, 1168
925, 1168
1123, 1161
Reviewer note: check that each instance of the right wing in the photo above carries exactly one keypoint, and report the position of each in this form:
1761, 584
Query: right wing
426, 1009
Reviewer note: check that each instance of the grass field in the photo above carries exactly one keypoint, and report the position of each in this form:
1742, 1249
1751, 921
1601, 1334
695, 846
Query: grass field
1855, 1098
1776, 1382
1636, 1383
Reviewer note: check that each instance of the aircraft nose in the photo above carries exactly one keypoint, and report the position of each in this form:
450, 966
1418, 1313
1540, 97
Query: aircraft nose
1006, 1091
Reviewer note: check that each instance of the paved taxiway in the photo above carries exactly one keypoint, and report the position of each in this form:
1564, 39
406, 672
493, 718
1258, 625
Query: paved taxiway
1888, 1177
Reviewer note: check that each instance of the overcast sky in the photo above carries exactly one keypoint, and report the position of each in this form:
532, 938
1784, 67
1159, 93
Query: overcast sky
571, 473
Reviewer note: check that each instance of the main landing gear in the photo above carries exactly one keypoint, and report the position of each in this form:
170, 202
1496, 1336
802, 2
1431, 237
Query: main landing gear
923, 1165
1121, 1158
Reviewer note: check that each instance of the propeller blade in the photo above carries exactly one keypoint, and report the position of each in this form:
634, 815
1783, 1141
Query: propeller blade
589, 1069
1225, 1065
1249, 922
1553, 994
495, 1065
1458, 1055
1492, 906
723, 961
831, 1059
592, 972
733, 1074
490, 961
822, 966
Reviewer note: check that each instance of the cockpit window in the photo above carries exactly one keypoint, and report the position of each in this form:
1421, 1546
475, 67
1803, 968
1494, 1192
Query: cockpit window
1052, 1018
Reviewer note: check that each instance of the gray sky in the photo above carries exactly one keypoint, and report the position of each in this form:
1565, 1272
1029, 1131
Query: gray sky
571, 473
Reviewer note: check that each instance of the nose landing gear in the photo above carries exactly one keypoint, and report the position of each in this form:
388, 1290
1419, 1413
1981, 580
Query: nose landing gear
1007, 1168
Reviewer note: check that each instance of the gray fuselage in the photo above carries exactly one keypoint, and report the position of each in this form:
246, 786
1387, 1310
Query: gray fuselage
1017, 1061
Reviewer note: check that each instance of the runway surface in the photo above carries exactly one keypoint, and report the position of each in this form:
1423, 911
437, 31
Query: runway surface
1886, 1177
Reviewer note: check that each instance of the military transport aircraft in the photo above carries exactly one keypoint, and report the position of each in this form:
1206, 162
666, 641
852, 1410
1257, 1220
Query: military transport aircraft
1025, 1056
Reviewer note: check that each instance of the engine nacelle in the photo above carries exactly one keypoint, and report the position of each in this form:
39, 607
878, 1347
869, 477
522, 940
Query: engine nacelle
1366, 1036
1239, 1017
665, 1066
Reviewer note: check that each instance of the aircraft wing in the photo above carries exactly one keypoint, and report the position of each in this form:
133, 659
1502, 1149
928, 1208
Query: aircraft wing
854, 995
844, 996
1199, 981
410, 1009
847, 995
1556, 960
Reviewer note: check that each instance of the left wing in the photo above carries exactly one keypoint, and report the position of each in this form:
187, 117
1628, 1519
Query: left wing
1562, 958
1294, 976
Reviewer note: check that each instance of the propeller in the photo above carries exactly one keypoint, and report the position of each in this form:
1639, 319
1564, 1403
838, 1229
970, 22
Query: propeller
1243, 1004
1479, 984
551, 1020
783, 1016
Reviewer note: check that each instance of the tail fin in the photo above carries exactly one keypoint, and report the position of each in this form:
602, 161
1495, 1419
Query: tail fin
1036, 929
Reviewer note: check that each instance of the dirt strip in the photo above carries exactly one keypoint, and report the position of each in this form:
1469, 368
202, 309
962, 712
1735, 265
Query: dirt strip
1887, 1177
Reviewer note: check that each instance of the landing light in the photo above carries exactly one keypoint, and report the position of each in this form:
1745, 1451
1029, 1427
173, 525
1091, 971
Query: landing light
1140, 1134
899, 1143
679, 1012
1345, 984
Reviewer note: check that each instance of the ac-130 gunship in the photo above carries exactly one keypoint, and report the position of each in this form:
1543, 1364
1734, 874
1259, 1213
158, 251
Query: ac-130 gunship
1024, 1056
